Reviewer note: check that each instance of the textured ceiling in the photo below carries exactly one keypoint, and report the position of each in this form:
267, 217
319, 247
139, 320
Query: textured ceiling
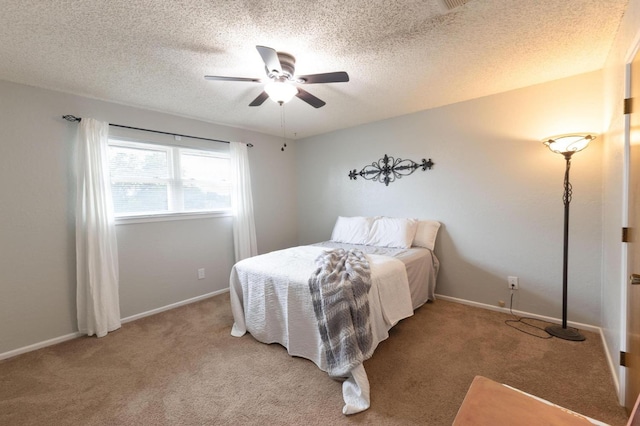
402, 56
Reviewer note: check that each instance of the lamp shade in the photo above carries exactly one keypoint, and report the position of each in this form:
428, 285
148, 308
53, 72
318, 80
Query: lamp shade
568, 144
280, 92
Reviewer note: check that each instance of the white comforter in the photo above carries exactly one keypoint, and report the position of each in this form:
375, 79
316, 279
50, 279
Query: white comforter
270, 299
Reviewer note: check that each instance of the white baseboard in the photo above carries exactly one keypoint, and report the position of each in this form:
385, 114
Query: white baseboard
40, 345
77, 334
613, 368
578, 325
173, 306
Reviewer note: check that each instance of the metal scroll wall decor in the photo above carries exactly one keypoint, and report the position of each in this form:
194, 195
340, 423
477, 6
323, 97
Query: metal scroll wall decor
388, 169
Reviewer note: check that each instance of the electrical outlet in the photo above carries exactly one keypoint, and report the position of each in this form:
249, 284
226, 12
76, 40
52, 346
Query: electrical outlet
513, 282
201, 274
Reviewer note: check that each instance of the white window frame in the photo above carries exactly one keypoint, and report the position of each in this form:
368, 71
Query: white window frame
175, 183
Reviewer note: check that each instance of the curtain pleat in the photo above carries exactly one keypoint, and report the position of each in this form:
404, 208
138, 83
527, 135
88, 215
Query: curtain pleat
98, 303
244, 229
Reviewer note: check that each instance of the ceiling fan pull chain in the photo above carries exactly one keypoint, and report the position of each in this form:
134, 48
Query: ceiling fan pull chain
283, 125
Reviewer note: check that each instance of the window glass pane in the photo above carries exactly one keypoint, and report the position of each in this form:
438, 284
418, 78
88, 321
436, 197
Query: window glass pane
131, 197
139, 179
137, 163
202, 197
205, 181
204, 167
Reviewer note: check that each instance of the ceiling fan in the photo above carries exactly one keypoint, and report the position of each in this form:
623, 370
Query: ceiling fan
280, 68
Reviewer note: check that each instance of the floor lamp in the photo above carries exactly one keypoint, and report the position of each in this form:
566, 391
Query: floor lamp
567, 145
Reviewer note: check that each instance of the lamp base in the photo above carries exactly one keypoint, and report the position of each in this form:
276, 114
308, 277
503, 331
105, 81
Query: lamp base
564, 333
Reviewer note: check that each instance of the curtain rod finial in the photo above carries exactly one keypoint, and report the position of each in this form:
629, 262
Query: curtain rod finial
71, 118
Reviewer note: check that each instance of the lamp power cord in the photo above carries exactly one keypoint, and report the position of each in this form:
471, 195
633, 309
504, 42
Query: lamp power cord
520, 320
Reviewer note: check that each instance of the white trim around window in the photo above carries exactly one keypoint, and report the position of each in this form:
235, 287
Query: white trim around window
152, 182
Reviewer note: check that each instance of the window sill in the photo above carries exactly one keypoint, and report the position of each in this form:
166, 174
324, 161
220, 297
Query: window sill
164, 217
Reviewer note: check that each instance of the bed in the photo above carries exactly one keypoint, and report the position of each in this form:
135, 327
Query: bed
271, 298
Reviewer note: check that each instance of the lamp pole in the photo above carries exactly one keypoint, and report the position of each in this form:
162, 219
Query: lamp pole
555, 330
565, 255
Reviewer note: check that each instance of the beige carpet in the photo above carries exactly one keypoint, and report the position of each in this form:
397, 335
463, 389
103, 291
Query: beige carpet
182, 367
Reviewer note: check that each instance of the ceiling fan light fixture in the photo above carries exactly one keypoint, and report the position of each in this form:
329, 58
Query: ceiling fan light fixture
280, 92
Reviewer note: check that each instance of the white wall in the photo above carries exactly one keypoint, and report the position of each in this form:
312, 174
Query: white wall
158, 261
614, 173
496, 189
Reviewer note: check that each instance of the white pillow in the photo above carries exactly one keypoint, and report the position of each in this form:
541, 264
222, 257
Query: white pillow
426, 234
392, 232
351, 230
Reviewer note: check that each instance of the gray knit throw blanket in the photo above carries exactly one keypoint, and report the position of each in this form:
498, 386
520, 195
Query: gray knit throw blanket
339, 287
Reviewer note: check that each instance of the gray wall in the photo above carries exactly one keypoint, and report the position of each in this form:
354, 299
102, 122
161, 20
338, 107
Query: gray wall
496, 189
158, 261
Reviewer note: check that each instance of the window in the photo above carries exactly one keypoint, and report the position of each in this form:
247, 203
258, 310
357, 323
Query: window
148, 179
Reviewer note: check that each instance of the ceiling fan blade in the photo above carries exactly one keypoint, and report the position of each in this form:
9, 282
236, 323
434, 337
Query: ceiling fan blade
329, 77
219, 78
270, 58
310, 99
260, 99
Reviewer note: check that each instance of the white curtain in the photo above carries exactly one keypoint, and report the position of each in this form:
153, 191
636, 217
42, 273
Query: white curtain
97, 299
244, 228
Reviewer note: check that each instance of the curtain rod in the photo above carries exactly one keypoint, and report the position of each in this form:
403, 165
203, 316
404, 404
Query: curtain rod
73, 118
